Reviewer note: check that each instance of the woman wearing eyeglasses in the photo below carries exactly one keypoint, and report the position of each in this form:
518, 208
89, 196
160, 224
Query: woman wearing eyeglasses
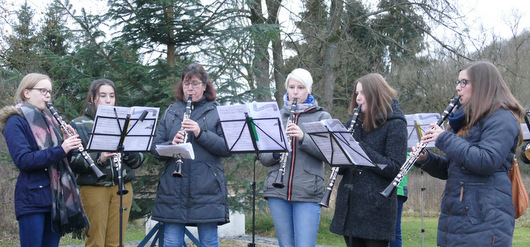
477, 207
199, 196
47, 204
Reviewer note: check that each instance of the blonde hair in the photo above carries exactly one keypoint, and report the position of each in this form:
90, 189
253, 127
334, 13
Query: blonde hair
378, 96
301, 75
28, 82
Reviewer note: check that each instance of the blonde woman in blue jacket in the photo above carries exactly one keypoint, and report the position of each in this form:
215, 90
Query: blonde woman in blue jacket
477, 207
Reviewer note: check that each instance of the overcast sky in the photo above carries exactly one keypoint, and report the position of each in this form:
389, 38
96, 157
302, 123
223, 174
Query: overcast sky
494, 15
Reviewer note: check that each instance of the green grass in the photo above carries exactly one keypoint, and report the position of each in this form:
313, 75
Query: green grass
411, 228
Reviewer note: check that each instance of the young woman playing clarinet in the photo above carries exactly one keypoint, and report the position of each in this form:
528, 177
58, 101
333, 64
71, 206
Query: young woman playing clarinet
293, 200
477, 207
100, 196
47, 204
195, 194
362, 215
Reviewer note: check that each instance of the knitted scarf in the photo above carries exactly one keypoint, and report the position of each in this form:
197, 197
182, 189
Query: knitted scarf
67, 211
456, 120
300, 107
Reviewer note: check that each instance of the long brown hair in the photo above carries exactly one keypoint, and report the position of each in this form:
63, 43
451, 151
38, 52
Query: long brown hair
378, 96
489, 93
197, 70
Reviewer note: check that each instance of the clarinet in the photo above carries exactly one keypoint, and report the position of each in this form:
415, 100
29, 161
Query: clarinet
335, 170
178, 169
415, 155
82, 150
278, 183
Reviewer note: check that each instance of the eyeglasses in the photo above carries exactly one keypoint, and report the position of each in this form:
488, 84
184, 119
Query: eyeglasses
192, 83
463, 83
42, 91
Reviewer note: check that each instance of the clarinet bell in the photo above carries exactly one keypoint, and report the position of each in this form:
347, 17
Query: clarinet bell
278, 182
178, 169
123, 190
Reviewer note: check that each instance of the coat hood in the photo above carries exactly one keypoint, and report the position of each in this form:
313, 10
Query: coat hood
5, 114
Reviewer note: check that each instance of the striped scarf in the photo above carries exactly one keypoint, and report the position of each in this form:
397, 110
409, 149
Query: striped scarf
300, 107
67, 211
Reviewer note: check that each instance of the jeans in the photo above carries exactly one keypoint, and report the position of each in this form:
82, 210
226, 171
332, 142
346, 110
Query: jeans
397, 241
174, 235
36, 230
296, 223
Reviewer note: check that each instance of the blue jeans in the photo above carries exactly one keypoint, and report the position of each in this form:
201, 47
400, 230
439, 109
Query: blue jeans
174, 235
296, 223
36, 230
397, 241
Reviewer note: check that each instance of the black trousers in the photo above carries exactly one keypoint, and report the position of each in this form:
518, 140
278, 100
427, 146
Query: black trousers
364, 242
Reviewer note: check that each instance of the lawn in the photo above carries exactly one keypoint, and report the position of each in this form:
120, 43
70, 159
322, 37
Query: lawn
411, 227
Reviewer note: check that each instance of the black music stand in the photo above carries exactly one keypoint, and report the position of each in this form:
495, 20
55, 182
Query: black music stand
111, 125
257, 128
337, 145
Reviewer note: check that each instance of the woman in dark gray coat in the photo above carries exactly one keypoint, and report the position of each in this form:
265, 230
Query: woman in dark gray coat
294, 207
199, 197
362, 215
477, 207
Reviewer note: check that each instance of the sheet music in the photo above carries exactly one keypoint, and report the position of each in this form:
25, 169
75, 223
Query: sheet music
422, 124
105, 135
336, 143
268, 123
526, 132
412, 133
270, 134
185, 150
233, 124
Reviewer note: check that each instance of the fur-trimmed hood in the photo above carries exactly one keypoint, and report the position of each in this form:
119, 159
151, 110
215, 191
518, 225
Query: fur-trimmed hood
5, 113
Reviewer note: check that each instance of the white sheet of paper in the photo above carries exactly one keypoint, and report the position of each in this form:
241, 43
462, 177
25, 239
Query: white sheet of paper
423, 120
105, 135
268, 127
185, 150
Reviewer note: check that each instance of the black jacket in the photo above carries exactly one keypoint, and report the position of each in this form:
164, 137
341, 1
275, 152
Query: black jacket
360, 210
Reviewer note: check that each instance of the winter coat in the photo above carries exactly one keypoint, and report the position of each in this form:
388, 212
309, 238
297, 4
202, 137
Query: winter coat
32, 189
85, 176
360, 210
477, 207
303, 179
200, 195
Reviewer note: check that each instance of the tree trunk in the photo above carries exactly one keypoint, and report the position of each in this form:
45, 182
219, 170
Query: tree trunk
329, 74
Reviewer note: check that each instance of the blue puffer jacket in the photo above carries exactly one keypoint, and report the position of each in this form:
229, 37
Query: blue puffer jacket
200, 196
32, 190
477, 207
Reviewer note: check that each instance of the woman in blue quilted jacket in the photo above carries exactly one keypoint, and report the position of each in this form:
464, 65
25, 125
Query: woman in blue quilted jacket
477, 207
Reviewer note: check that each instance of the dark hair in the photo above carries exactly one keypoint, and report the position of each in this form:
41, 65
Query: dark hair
93, 91
197, 70
378, 95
